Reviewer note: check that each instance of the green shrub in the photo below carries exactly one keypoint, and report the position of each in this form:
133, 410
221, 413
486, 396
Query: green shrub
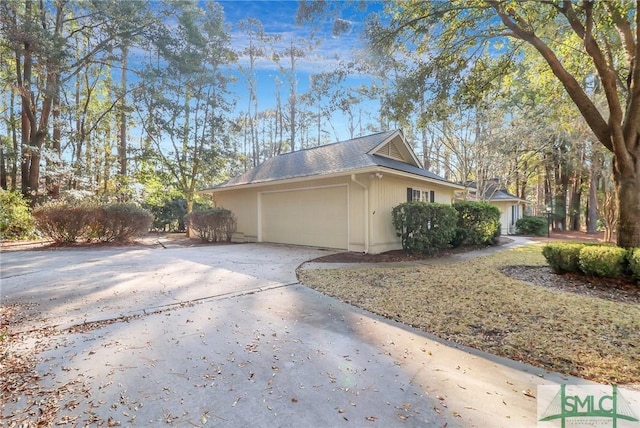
562, 256
66, 222
481, 221
532, 226
633, 258
603, 260
426, 228
459, 238
120, 222
213, 225
16, 221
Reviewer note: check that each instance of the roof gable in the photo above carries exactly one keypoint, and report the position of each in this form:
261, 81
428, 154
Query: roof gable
396, 147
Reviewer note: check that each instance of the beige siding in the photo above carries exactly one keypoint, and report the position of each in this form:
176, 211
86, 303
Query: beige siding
505, 215
357, 213
244, 205
388, 192
314, 212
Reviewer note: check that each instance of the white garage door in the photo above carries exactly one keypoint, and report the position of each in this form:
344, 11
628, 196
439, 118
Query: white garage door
315, 217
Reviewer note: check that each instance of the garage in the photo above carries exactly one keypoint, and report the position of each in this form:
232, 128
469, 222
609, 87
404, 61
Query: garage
310, 216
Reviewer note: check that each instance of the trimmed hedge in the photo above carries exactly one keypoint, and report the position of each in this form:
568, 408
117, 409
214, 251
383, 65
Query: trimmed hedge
423, 227
64, 222
532, 226
213, 225
120, 222
480, 220
16, 221
633, 258
67, 222
563, 257
606, 261
603, 260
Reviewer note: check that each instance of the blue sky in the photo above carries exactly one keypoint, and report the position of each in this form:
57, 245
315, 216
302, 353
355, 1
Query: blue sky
278, 18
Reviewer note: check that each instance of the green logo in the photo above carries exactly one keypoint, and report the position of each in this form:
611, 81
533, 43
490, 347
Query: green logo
588, 405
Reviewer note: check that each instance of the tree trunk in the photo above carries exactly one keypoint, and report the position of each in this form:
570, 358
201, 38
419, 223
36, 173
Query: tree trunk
592, 204
575, 206
187, 226
53, 184
628, 186
122, 117
3, 169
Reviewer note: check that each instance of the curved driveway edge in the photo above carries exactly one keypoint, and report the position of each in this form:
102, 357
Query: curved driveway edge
224, 336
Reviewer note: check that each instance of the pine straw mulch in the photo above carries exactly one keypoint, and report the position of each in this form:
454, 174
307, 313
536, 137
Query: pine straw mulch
509, 304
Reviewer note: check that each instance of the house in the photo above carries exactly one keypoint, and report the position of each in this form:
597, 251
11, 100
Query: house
335, 196
511, 207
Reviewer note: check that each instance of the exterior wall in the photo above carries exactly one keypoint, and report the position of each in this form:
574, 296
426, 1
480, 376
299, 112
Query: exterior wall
387, 192
507, 223
371, 197
244, 204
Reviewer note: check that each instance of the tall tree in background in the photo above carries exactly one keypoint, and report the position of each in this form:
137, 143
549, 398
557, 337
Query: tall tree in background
291, 54
41, 36
182, 104
255, 50
451, 34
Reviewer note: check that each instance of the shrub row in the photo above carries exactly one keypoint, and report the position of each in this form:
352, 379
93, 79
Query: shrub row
598, 260
429, 228
213, 225
66, 222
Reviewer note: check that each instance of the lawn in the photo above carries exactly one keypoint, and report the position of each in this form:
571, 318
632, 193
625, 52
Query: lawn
472, 303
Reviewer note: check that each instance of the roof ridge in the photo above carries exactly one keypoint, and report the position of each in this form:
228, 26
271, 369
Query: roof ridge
306, 149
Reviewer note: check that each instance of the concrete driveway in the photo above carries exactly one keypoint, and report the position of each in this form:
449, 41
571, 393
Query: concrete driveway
225, 336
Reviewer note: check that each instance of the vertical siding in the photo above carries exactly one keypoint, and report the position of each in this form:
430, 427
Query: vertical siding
357, 214
244, 205
391, 191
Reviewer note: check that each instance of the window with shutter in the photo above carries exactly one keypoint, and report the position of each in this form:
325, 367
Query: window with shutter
420, 195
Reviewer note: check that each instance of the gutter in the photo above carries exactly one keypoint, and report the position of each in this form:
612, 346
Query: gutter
366, 212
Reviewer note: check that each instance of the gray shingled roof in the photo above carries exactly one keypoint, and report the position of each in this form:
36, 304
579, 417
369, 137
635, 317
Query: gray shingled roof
345, 156
496, 193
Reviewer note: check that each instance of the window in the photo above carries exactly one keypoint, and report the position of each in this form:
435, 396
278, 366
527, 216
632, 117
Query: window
420, 195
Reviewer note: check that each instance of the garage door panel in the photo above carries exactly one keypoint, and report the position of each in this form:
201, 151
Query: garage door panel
316, 217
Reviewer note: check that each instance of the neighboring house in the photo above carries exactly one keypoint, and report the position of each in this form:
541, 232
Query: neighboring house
336, 196
511, 207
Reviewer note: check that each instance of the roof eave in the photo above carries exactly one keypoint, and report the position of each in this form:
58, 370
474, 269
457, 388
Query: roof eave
365, 170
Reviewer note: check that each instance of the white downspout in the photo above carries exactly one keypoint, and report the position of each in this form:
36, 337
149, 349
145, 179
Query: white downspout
366, 213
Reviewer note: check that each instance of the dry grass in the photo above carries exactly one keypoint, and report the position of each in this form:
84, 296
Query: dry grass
474, 304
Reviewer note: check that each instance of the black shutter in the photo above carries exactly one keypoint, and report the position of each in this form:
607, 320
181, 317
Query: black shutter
409, 194
432, 196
